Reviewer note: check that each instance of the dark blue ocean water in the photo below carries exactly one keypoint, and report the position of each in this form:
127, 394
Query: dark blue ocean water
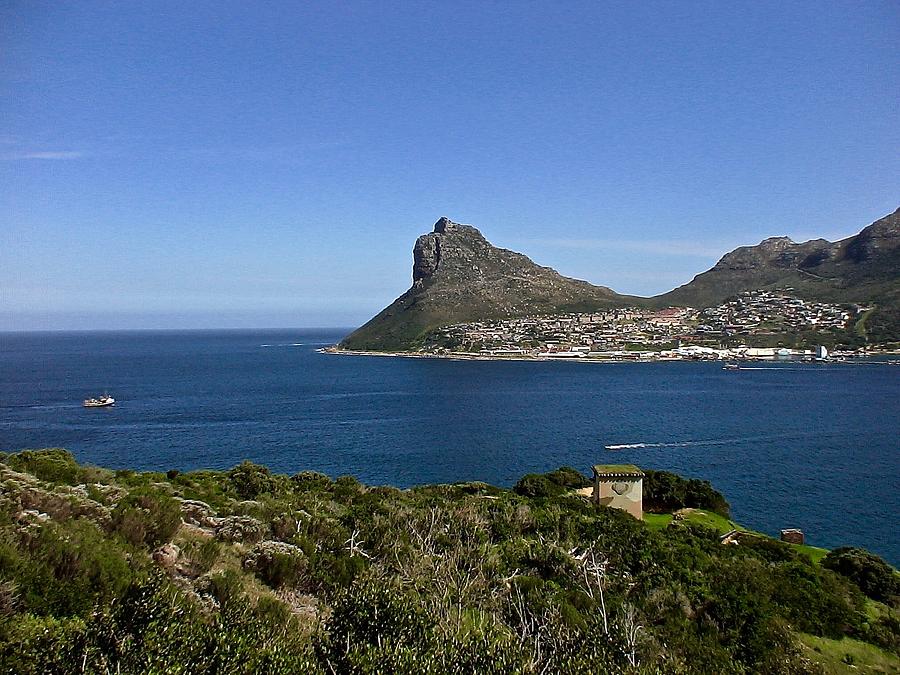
809, 446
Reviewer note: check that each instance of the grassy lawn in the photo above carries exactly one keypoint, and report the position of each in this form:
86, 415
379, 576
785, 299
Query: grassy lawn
657, 521
848, 656
709, 519
813, 552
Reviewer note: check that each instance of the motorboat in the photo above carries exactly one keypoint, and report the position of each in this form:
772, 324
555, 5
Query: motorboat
99, 402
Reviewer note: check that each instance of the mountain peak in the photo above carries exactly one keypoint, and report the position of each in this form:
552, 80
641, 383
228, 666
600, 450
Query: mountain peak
443, 224
459, 276
777, 242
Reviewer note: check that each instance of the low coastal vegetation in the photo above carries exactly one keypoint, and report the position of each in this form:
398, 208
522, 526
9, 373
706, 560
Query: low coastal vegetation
247, 571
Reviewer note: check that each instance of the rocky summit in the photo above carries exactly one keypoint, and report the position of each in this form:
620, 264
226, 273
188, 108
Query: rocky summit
459, 276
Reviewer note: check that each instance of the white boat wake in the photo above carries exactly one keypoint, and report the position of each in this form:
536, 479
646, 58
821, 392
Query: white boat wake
684, 444
718, 441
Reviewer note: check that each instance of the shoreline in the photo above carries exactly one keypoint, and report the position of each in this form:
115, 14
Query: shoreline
847, 360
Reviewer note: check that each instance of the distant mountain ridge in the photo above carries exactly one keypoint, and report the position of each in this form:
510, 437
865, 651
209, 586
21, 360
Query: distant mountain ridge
861, 268
458, 277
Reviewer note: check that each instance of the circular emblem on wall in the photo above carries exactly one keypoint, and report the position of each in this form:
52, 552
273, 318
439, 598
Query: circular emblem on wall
620, 488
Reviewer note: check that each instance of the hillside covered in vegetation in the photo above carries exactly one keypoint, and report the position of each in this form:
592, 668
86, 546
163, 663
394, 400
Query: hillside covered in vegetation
246, 571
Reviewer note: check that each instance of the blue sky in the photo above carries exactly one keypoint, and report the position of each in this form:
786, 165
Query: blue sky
219, 164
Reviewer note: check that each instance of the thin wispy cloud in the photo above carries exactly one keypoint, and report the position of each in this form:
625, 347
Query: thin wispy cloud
42, 155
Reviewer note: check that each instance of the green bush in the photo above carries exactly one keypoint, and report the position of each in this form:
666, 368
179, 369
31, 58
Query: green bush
770, 550
53, 465
251, 480
203, 553
667, 492
869, 572
146, 518
277, 563
336, 570
376, 627
816, 601
537, 486
62, 570
884, 632
552, 484
153, 630
740, 610
310, 480
347, 488
226, 586
567, 477
273, 612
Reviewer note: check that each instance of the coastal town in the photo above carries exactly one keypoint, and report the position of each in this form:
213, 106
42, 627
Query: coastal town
747, 326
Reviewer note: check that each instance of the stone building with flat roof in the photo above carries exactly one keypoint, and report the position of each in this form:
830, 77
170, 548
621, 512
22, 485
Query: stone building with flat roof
620, 486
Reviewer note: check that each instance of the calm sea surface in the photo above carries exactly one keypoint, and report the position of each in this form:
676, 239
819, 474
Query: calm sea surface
809, 446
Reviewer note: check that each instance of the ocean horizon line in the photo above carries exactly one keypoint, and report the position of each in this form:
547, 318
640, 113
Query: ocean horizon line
58, 331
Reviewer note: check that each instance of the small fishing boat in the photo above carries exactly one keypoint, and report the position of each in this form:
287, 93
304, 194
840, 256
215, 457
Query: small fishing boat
731, 366
100, 402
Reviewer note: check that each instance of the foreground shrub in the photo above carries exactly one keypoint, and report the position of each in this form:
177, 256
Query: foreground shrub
376, 627
816, 601
552, 484
665, 491
146, 518
63, 570
869, 572
437, 579
252, 480
567, 477
277, 563
151, 629
537, 486
310, 480
53, 465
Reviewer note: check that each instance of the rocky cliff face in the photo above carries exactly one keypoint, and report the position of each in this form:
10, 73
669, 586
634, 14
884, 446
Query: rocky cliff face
459, 276
880, 239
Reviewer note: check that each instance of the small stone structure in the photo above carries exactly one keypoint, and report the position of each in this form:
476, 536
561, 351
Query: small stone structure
620, 486
792, 536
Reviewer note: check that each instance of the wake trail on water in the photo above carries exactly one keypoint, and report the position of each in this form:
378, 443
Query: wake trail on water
717, 441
